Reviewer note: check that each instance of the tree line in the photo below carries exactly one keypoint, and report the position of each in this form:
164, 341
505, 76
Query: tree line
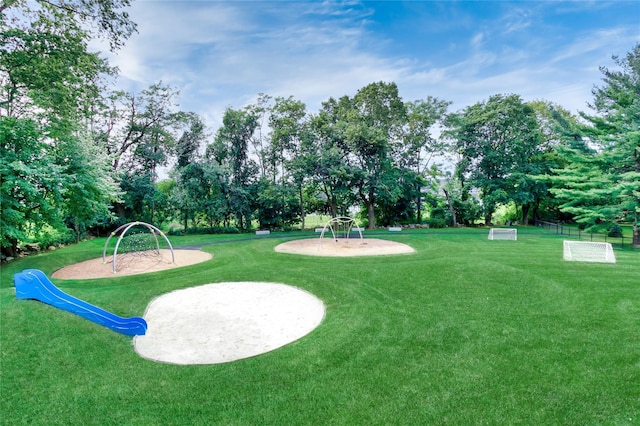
79, 158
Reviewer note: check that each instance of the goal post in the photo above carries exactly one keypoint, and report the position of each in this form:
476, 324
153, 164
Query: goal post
588, 251
503, 234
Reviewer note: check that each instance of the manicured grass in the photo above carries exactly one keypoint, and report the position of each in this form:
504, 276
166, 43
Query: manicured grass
466, 331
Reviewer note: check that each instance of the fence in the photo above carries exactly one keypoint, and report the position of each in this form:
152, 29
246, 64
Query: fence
574, 232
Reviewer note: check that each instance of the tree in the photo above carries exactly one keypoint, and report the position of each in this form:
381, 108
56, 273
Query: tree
373, 124
29, 182
88, 190
607, 174
496, 141
128, 124
231, 151
289, 147
105, 18
617, 124
51, 170
44, 63
419, 149
327, 155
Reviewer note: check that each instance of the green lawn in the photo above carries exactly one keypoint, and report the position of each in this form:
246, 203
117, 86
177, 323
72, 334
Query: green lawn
466, 331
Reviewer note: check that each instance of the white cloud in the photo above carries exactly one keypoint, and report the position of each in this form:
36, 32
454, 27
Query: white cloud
223, 54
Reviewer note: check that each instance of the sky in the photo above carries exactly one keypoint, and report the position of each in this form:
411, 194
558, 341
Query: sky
222, 54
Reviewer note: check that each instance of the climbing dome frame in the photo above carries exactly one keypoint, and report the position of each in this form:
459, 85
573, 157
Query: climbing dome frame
340, 227
125, 228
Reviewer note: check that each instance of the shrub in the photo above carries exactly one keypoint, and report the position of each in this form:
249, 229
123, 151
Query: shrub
615, 230
437, 222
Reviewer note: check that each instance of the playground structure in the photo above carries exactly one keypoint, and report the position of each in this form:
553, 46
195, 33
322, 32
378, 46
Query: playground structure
140, 244
340, 227
34, 284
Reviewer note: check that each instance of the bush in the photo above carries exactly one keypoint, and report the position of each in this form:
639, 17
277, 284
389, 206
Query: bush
615, 231
437, 222
51, 237
201, 231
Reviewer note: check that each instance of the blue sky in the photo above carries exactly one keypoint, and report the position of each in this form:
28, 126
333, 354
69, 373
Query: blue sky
222, 54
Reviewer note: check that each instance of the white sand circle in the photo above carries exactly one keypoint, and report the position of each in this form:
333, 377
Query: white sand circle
218, 323
343, 247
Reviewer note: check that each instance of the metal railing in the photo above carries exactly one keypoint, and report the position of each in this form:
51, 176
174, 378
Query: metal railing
573, 231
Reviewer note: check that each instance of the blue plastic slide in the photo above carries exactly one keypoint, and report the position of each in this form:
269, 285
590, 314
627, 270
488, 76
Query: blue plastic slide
34, 284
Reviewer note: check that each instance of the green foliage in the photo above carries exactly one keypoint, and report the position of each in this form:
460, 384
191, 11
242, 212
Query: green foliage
615, 230
30, 184
177, 230
499, 143
437, 222
47, 69
603, 184
48, 236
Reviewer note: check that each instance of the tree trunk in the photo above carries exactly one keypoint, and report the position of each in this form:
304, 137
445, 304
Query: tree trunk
636, 232
487, 219
301, 207
333, 206
525, 213
371, 215
451, 209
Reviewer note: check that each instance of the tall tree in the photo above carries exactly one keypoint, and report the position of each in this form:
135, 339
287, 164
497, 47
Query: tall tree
88, 191
30, 183
373, 125
496, 141
289, 140
144, 123
419, 149
613, 163
328, 155
231, 151
194, 182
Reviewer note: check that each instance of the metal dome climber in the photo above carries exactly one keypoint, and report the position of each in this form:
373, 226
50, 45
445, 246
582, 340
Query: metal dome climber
341, 225
125, 228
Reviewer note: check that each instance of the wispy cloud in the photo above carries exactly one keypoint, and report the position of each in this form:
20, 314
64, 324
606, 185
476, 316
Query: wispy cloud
224, 53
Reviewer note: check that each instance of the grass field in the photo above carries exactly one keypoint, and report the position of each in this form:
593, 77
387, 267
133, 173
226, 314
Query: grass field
466, 331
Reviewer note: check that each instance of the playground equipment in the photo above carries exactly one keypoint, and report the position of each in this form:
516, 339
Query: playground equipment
34, 284
138, 244
340, 227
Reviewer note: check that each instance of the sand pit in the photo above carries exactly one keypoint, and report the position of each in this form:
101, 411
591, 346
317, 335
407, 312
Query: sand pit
218, 323
343, 247
131, 264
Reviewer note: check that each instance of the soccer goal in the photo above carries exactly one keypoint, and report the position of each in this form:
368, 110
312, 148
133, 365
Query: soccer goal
587, 251
503, 234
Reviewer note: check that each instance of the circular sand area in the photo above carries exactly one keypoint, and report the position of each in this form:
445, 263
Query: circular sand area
344, 247
217, 323
131, 264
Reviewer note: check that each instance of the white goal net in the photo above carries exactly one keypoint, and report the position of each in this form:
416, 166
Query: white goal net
587, 251
503, 234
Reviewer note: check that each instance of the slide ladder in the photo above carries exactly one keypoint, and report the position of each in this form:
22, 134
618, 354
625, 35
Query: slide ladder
34, 284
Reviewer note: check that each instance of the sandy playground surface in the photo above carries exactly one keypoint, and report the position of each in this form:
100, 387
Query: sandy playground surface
128, 264
224, 322
343, 247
